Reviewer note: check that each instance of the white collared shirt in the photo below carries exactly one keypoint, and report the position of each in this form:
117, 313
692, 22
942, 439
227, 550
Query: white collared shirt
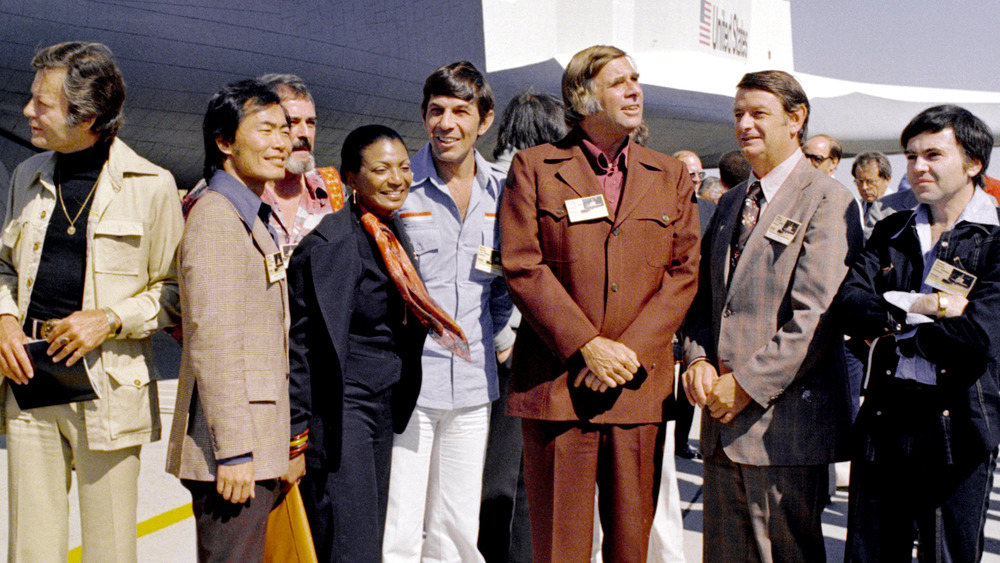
773, 180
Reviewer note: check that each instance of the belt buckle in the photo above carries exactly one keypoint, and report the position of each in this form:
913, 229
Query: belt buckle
41, 329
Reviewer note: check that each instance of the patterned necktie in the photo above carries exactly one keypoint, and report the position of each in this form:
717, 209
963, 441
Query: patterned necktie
749, 214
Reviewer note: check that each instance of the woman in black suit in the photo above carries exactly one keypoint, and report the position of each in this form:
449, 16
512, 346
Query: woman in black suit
355, 347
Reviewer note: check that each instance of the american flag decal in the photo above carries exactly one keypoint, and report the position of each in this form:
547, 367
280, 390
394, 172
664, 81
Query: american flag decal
705, 24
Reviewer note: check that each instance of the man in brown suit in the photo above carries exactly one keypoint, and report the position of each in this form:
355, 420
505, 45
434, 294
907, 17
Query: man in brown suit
764, 360
599, 246
229, 442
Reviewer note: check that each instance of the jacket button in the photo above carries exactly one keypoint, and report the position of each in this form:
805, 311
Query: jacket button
616, 232
946, 412
29, 282
944, 244
614, 287
44, 214
666, 218
652, 365
560, 211
888, 372
878, 413
137, 383
35, 246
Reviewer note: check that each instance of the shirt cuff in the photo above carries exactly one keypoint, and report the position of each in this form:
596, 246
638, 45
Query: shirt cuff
236, 460
903, 300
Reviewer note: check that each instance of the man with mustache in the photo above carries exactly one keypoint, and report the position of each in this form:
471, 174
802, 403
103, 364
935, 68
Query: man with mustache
306, 193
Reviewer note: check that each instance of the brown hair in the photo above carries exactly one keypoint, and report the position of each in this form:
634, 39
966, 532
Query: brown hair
577, 89
782, 85
93, 87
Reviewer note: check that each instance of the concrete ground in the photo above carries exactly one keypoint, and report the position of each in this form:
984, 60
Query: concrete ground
166, 529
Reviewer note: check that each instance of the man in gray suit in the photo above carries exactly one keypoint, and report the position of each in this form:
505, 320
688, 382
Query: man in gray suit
230, 438
764, 361
872, 175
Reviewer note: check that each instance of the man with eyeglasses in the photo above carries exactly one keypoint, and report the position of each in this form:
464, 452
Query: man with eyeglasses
824, 152
693, 164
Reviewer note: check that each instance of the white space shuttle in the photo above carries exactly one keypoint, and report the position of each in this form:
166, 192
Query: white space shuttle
365, 61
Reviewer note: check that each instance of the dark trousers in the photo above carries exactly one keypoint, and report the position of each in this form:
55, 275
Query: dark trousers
684, 415
227, 532
346, 507
891, 502
763, 513
562, 463
504, 528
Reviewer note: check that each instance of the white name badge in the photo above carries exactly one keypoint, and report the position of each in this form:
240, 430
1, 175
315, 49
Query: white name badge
275, 264
488, 261
949, 279
586, 208
782, 230
286, 251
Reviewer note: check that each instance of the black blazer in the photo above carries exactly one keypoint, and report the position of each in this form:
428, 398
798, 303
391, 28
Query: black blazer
323, 278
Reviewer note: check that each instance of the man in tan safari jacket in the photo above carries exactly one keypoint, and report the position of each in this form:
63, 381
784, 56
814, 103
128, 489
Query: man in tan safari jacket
87, 264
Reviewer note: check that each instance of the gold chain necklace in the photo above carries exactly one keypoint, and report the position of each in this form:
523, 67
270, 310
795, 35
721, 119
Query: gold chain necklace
72, 230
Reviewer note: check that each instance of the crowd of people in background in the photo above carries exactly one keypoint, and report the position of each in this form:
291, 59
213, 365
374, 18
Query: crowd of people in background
462, 360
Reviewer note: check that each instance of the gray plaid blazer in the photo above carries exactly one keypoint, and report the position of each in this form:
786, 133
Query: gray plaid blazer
232, 397
771, 326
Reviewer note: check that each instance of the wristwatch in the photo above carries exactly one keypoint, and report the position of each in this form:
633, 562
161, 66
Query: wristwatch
942, 305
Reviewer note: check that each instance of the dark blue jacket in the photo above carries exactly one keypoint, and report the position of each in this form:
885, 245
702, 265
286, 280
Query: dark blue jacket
326, 288
965, 349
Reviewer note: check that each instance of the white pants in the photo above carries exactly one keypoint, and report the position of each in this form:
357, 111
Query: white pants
41, 445
666, 537
435, 486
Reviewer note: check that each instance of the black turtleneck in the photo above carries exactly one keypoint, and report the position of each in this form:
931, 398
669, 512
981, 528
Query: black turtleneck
58, 286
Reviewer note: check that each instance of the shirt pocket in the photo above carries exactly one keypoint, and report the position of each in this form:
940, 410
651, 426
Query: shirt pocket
654, 233
554, 227
426, 241
118, 248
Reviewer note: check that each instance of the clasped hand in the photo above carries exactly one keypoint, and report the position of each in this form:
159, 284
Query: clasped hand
609, 364
721, 395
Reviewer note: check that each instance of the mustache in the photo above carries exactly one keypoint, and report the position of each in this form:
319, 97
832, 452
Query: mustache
302, 143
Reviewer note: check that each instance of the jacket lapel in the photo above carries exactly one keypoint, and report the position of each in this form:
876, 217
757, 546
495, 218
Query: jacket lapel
785, 199
576, 173
727, 217
262, 238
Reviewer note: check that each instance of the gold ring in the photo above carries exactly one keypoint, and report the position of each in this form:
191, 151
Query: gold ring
64, 341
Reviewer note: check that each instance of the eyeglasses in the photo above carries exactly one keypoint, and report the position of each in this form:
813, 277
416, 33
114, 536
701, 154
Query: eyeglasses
815, 158
699, 175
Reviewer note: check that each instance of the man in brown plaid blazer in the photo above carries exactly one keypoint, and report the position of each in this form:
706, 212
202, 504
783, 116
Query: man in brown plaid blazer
229, 442
764, 359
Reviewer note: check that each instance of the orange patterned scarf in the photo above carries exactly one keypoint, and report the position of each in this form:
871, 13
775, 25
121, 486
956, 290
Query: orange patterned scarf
442, 327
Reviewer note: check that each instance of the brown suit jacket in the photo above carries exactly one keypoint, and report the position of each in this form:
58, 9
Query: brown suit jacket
629, 278
232, 397
772, 325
